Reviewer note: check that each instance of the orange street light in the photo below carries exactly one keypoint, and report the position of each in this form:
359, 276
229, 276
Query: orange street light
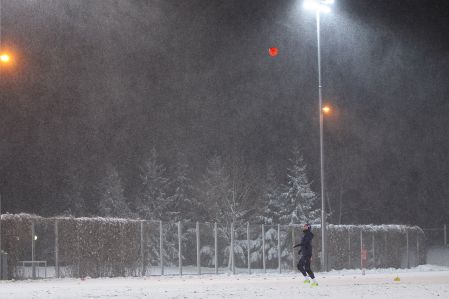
326, 109
5, 58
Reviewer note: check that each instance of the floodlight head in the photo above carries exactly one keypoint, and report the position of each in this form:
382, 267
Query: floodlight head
319, 5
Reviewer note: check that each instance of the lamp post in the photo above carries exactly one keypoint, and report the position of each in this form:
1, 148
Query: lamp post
1, 252
321, 6
5, 59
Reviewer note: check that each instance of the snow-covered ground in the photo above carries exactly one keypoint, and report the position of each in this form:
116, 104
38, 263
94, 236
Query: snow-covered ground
421, 282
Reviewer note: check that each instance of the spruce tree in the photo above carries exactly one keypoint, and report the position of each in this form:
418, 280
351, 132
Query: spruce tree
152, 203
112, 202
272, 199
183, 204
299, 199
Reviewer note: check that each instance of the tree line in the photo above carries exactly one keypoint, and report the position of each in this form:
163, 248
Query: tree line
225, 193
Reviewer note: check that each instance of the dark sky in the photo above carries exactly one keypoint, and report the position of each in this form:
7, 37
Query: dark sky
98, 82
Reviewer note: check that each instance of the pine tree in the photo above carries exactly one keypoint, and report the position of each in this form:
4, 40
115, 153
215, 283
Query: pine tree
184, 205
299, 199
112, 201
153, 203
72, 196
272, 199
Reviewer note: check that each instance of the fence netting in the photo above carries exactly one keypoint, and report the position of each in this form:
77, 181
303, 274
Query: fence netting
106, 247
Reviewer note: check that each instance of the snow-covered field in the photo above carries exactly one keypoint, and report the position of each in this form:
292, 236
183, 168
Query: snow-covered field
421, 282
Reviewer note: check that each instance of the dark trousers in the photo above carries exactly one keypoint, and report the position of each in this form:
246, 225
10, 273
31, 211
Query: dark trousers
304, 266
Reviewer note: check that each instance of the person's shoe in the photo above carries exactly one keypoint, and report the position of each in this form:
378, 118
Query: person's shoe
307, 280
314, 283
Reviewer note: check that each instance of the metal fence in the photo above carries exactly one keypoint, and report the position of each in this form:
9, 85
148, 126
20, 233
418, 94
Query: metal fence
437, 246
97, 247
436, 236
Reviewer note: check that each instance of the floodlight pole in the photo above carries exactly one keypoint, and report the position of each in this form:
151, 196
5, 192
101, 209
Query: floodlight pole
324, 264
1, 255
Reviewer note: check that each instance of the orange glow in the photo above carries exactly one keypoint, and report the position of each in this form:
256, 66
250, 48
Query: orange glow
5, 58
326, 109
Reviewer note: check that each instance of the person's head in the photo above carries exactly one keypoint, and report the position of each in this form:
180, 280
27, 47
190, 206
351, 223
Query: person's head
306, 227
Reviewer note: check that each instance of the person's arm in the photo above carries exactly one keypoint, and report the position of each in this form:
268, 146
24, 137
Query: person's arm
298, 245
305, 240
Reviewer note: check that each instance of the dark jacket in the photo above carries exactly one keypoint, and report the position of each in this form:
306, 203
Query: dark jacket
306, 244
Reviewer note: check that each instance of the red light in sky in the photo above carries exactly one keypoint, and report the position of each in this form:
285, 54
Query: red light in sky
273, 51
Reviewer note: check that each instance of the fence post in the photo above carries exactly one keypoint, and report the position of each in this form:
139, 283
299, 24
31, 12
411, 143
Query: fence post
161, 246
374, 252
417, 248
349, 248
408, 253
179, 248
216, 247
232, 248
361, 249
56, 249
293, 250
386, 250
78, 249
445, 235
198, 255
263, 248
249, 250
33, 266
142, 256
279, 247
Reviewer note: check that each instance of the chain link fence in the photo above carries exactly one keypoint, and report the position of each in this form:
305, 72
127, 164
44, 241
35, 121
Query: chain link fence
437, 236
437, 246
102, 247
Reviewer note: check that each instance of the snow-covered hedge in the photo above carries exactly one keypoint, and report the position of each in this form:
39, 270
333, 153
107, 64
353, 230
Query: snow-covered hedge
87, 246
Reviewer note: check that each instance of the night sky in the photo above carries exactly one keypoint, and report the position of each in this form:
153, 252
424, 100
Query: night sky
103, 82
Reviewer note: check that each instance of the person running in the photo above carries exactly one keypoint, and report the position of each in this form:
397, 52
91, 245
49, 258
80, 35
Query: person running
305, 252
